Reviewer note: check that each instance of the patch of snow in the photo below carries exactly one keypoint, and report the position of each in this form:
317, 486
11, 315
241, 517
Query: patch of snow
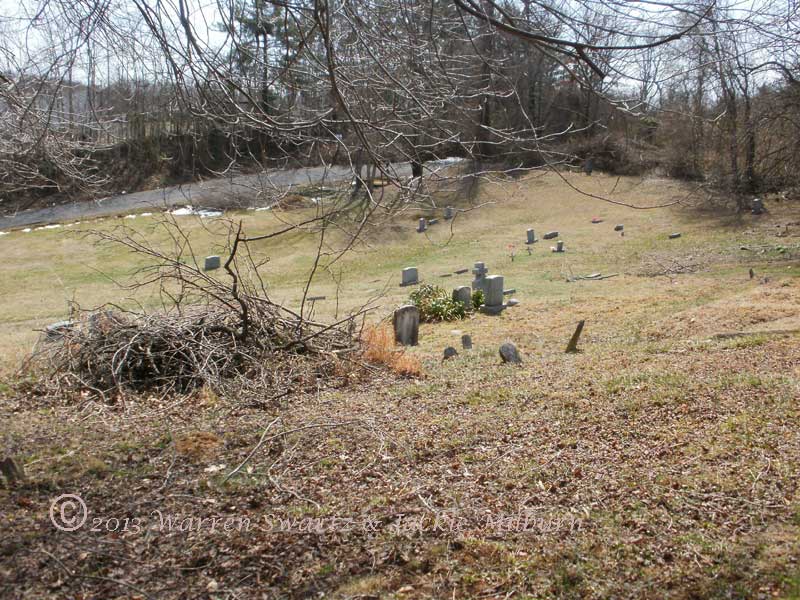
130, 216
27, 230
53, 226
203, 213
147, 214
3, 233
450, 160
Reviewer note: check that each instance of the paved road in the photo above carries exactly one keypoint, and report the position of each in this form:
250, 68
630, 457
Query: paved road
239, 191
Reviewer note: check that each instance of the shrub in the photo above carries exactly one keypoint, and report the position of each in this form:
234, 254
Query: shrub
477, 299
436, 304
378, 348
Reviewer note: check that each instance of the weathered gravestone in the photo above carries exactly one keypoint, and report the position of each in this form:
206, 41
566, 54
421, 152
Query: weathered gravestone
422, 225
480, 271
466, 342
406, 325
509, 353
551, 235
588, 166
531, 237
463, 294
449, 352
559, 246
758, 206
410, 276
619, 227
493, 295
674, 236
448, 212
211, 263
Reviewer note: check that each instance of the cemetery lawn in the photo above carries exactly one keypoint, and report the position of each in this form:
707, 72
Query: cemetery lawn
661, 461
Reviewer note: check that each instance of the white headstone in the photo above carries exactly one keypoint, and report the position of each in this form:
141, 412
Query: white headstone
493, 291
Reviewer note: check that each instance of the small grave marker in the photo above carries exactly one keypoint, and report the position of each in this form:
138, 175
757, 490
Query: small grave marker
466, 342
509, 353
422, 225
531, 237
211, 263
674, 236
410, 277
550, 235
619, 227
449, 352
463, 294
448, 212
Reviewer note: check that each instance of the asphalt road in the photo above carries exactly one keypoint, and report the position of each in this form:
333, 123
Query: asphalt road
238, 191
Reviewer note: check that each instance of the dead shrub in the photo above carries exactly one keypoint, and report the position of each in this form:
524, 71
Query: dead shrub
198, 445
378, 348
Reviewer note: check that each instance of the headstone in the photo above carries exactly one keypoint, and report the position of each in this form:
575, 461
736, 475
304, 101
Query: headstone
448, 212
493, 295
531, 237
463, 294
449, 352
559, 247
758, 206
509, 353
480, 271
674, 236
446, 275
596, 220
551, 235
619, 227
433, 221
588, 166
410, 276
461, 271
211, 263
512, 302
509, 292
466, 342
422, 226
406, 325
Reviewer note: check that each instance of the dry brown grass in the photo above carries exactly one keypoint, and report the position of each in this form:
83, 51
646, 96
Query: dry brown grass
379, 348
198, 445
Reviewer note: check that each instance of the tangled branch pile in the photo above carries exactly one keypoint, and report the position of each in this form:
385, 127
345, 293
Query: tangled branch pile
106, 353
227, 335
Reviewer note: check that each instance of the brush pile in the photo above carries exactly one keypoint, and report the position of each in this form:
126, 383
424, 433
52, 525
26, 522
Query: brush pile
221, 332
108, 353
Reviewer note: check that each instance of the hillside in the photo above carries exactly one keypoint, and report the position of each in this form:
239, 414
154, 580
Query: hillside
661, 461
